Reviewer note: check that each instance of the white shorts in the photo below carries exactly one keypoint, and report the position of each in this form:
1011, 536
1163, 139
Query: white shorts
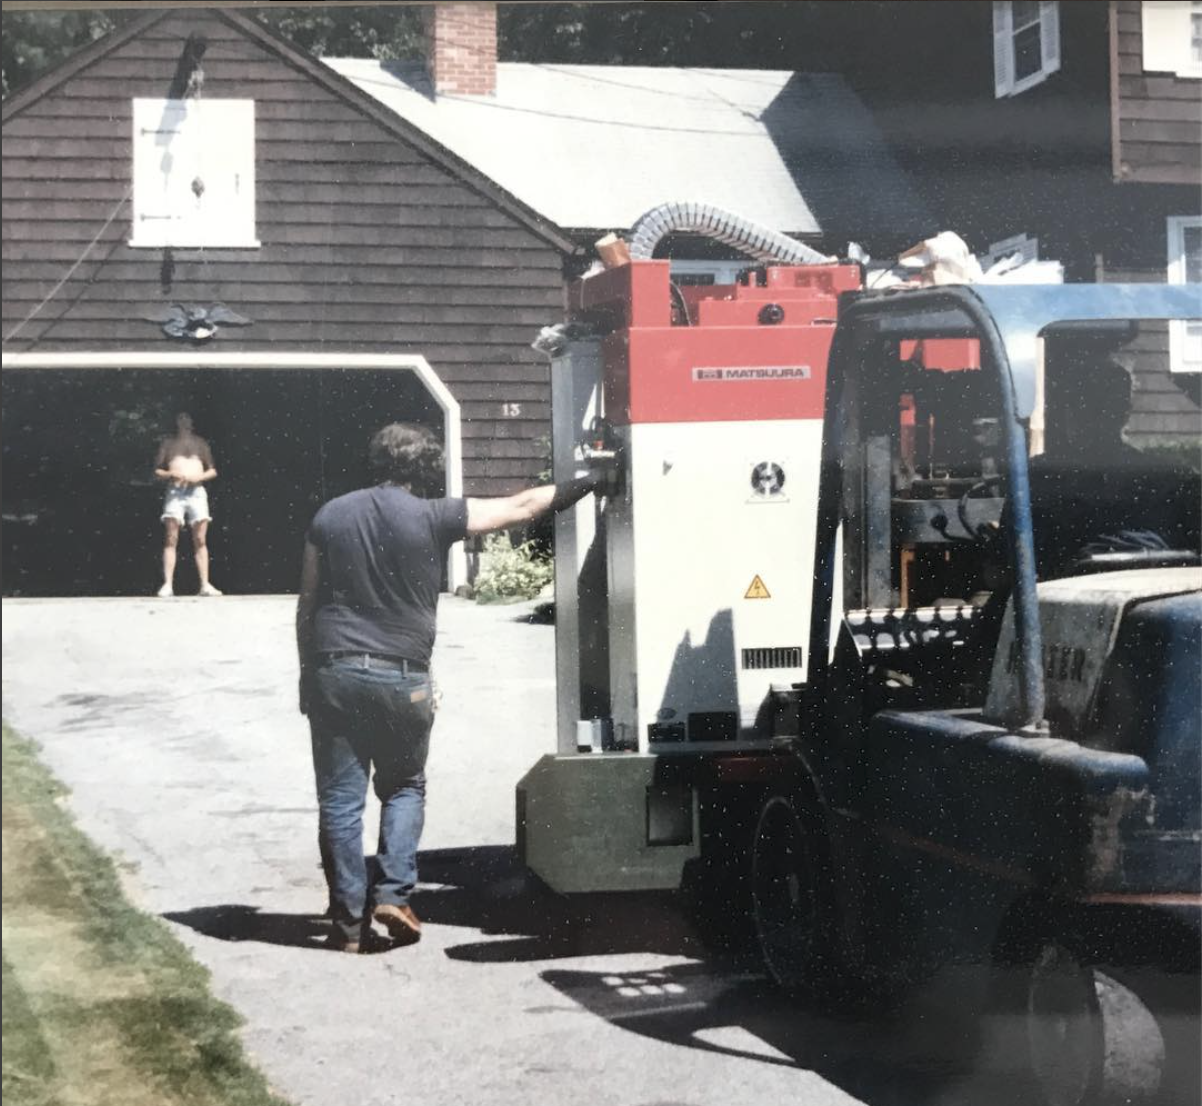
187, 505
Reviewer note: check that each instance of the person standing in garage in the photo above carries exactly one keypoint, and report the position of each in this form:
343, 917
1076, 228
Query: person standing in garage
365, 624
185, 462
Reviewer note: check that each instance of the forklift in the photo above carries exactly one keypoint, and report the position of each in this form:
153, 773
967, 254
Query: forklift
988, 767
978, 763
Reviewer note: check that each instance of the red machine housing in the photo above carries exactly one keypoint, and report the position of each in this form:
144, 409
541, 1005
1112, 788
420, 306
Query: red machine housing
713, 353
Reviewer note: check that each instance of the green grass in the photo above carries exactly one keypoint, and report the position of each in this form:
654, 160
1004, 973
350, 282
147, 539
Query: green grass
102, 1005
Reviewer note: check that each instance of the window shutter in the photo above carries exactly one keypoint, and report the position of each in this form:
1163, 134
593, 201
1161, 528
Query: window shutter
165, 159
1003, 48
1049, 35
226, 164
1166, 35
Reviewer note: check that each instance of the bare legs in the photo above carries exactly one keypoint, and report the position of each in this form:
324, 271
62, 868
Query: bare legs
170, 545
200, 548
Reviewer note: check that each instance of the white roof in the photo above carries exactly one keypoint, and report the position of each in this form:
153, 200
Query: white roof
591, 146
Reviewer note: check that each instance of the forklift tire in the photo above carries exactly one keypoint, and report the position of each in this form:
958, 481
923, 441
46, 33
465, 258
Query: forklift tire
788, 902
1088, 1041
1063, 1027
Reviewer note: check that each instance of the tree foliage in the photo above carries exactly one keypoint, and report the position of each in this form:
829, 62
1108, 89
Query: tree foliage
37, 41
766, 34
349, 31
770, 34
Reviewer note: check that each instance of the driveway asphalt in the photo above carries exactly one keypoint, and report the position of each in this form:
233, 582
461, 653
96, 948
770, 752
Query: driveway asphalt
174, 723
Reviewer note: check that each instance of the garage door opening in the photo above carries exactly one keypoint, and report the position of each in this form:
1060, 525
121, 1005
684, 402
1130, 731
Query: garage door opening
80, 503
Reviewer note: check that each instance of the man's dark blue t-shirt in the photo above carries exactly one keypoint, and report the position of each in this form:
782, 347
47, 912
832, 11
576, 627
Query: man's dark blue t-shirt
383, 551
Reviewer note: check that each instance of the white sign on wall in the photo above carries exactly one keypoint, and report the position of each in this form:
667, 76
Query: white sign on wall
194, 173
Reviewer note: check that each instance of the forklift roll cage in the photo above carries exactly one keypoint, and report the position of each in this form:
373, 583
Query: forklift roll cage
1007, 321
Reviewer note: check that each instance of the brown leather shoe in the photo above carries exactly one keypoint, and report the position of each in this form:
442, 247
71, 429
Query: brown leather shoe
402, 924
369, 943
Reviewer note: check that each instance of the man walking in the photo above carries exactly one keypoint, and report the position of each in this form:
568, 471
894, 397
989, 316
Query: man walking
365, 622
185, 461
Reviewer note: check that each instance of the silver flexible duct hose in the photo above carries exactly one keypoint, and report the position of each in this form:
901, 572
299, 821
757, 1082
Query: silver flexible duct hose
755, 240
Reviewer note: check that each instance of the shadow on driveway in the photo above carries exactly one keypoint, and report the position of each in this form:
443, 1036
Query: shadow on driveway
718, 1005
249, 923
925, 1053
487, 889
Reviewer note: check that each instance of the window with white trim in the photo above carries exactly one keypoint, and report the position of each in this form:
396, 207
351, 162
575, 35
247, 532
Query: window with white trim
1185, 266
194, 173
1172, 37
1026, 44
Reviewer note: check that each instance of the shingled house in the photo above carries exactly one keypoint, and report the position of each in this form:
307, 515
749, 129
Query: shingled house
199, 216
592, 148
1067, 131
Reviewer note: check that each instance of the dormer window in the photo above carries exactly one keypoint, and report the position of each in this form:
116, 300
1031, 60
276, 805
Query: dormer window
1026, 44
194, 173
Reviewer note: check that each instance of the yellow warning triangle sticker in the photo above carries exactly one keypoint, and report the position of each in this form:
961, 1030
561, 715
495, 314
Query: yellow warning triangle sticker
757, 590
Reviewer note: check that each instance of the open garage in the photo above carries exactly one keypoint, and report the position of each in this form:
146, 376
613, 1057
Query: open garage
81, 505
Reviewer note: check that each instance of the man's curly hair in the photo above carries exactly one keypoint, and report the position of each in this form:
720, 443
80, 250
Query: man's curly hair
406, 453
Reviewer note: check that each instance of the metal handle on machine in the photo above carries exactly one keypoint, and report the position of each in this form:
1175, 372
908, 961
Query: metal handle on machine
599, 448
599, 455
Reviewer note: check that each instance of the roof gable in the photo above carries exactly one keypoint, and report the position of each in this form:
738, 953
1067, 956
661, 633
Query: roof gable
321, 75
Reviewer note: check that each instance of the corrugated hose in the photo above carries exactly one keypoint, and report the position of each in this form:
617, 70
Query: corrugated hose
753, 239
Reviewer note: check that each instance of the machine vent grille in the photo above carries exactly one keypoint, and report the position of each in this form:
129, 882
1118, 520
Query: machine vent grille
780, 656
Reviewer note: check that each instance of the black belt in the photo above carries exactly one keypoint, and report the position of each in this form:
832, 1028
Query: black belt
377, 660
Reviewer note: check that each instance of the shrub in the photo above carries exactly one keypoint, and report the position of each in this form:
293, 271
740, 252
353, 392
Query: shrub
510, 573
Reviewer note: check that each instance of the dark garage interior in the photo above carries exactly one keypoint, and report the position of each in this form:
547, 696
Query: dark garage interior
80, 503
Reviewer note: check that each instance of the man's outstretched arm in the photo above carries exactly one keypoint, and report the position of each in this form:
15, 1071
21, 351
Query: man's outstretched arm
486, 515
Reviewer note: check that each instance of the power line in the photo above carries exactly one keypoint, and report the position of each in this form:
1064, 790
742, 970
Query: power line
71, 271
363, 82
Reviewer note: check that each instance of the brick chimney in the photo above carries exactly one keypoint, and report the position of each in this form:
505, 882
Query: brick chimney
461, 48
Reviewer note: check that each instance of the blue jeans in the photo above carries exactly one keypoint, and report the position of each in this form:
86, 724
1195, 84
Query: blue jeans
367, 714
